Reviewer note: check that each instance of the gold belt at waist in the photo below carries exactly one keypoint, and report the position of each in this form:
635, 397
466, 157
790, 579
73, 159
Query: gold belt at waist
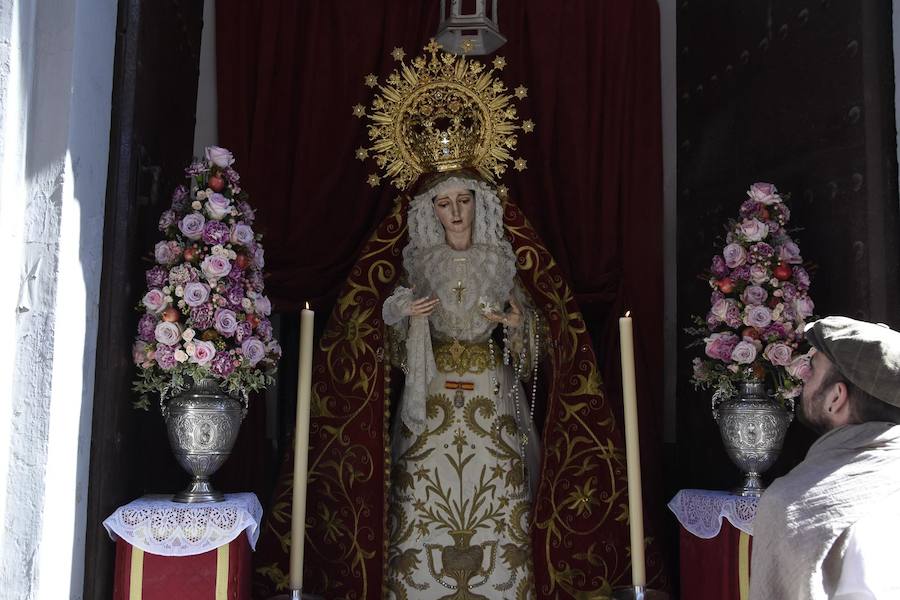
463, 357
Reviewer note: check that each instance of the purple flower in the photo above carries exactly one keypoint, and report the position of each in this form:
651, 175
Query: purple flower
167, 333
803, 306
215, 232
139, 352
788, 292
235, 295
753, 230
165, 357
765, 193
196, 294
202, 352
202, 316
179, 199
720, 345
217, 206
155, 301
762, 250
754, 294
253, 350
735, 255
195, 168
231, 175
778, 354
715, 297
167, 252
757, 316
225, 322
789, 252
749, 208
718, 267
241, 233
146, 327
776, 331
248, 215
182, 275
802, 277
156, 277
264, 329
733, 316
192, 226
759, 274
259, 260
243, 331
255, 278
166, 219
215, 267
262, 306
219, 156
222, 365
742, 273
743, 353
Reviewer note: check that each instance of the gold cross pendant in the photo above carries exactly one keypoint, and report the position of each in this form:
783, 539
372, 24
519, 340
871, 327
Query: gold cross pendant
459, 289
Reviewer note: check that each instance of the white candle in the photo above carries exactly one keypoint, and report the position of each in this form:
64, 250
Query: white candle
632, 453
301, 448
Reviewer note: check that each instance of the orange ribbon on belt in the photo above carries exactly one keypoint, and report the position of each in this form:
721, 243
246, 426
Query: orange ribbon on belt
459, 385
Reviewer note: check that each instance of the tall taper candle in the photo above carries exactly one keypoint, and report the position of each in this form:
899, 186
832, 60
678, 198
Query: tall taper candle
632, 453
301, 447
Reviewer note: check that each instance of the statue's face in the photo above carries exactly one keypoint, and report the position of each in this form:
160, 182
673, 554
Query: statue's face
455, 209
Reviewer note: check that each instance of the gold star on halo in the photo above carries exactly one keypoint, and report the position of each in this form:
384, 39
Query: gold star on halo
362, 153
467, 46
520, 164
359, 110
398, 53
502, 191
432, 46
499, 62
528, 126
521, 92
373, 180
371, 80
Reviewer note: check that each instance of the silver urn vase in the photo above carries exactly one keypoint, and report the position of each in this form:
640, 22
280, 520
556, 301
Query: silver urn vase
203, 422
753, 426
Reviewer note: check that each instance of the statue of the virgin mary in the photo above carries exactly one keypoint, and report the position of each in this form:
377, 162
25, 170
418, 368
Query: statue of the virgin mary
452, 492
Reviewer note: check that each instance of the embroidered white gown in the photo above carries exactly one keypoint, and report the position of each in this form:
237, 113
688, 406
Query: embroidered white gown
463, 443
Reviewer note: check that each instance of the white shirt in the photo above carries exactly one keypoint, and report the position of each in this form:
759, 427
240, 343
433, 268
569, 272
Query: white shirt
870, 569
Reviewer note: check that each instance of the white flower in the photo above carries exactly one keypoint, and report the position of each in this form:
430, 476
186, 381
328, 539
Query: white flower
167, 333
202, 194
179, 291
181, 356
188, 334
196, 205
189, 348
247, 304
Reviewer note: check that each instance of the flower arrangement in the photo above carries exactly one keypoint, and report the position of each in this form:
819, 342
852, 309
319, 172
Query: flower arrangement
204, 312
759, 304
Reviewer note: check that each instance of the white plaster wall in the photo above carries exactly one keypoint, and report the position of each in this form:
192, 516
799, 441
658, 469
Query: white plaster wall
56, 66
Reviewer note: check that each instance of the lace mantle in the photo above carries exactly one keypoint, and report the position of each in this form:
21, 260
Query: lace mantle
701, 511
157, 525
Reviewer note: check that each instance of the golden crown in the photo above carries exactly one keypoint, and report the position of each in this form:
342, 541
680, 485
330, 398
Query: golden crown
439, 113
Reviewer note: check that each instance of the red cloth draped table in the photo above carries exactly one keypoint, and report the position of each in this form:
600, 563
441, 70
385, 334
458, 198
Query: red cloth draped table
167, 550
715, 543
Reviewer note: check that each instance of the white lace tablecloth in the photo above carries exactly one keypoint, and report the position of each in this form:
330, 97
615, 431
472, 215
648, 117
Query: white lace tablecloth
701, 511
157, 525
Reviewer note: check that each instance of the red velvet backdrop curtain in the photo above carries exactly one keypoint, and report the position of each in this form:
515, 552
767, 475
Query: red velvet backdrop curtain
289, 73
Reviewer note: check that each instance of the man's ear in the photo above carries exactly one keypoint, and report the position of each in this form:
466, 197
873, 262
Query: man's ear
838, 403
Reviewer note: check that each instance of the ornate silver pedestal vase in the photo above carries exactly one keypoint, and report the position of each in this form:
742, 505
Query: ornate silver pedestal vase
203, 423
752, 427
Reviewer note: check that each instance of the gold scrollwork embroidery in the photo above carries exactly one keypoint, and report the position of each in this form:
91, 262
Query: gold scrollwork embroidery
462, 357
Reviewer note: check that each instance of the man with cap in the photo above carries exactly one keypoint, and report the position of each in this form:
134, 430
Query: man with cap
830, 527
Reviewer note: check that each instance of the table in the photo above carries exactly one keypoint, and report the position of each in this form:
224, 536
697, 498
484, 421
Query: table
715, 543
167, 550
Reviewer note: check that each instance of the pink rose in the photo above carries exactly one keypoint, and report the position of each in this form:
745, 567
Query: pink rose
139, 352
167, 252
203, 353
757, 316
759, 274
259, 258
734, 255
778, 354
789, 252
167, 333
215, 267
155, 301
720, 309
765, 193
218, 206
219, 156
753, 294
253, 350
803, 306
195, 293
799, 367
744, 353
754, 230
242, 234
720, 345
192, 226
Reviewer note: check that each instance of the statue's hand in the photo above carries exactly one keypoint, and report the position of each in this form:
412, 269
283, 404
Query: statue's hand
513, 318
421, 307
